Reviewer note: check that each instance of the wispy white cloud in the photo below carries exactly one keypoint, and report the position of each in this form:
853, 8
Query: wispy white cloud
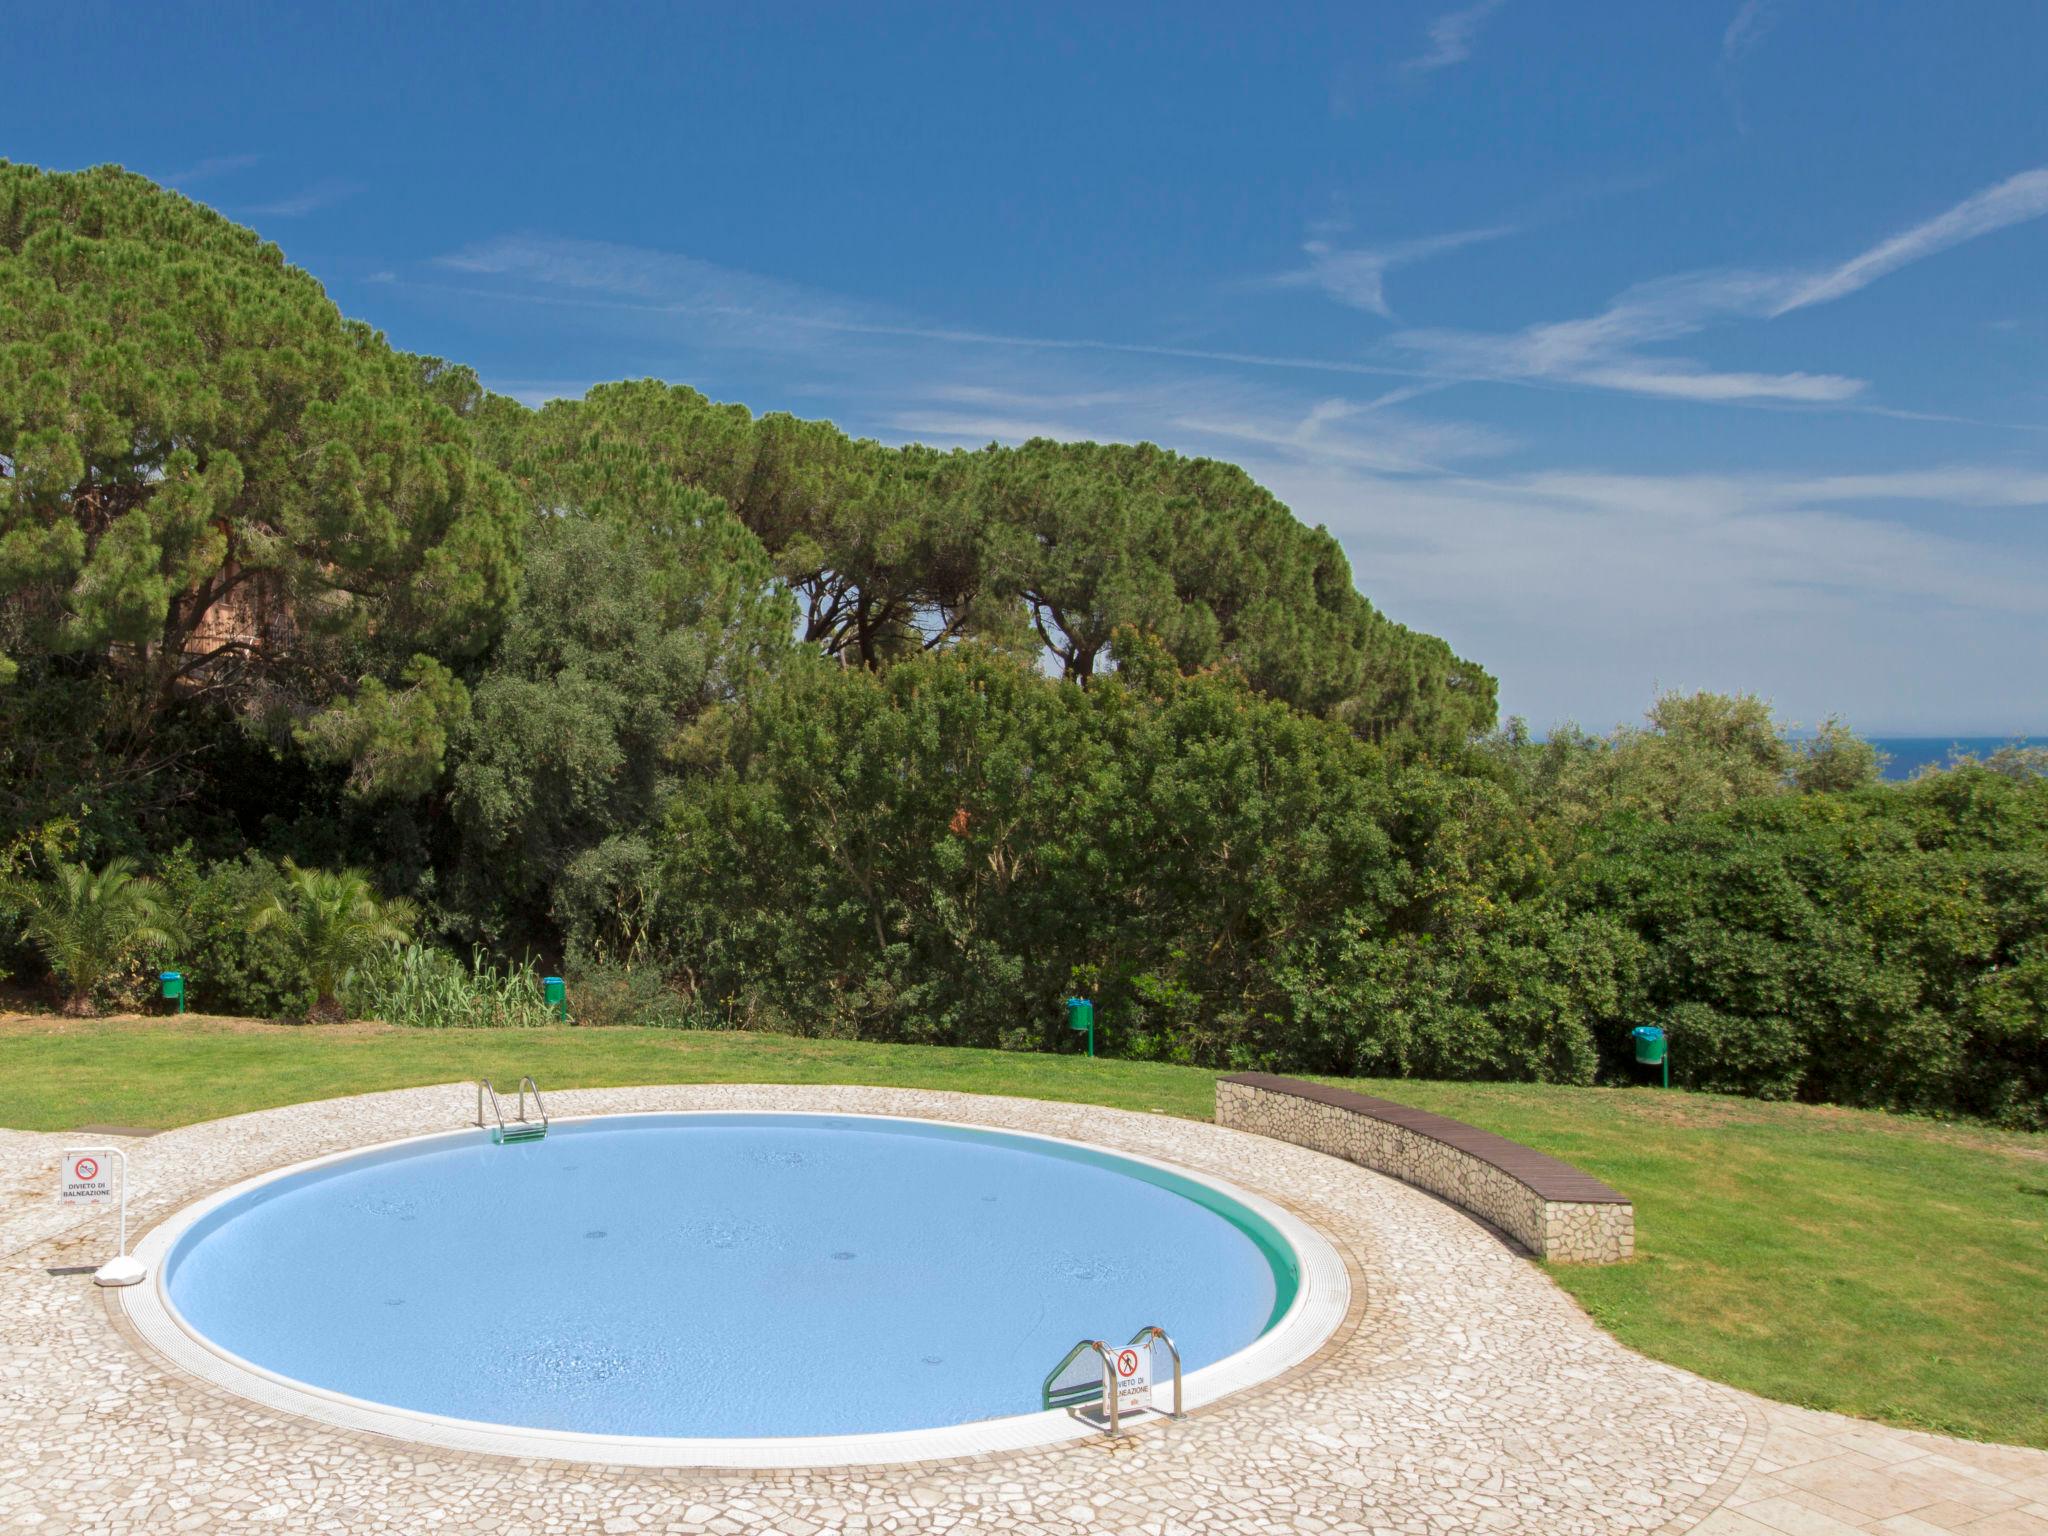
1337, 431
1028, 399
2015, 200
902, 380
1586, 590
1604, 351
321, 194
1988, 486
631, 271
1358, 276
1752, 20
1955, 485
740, 307
1216, 415
209, 168
1451, 36
1792, 583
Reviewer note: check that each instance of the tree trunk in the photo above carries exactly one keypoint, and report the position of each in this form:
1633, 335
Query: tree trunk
78, 1005
327, 1009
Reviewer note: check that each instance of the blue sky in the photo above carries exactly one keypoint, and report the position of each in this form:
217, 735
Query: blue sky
1628, 347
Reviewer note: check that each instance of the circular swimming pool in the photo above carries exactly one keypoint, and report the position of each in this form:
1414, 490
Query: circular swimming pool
720, 1275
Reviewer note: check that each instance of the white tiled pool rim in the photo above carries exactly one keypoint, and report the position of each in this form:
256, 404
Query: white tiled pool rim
1322, 1300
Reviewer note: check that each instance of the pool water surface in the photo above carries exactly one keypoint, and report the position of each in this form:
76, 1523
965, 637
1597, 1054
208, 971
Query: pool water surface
713, 1274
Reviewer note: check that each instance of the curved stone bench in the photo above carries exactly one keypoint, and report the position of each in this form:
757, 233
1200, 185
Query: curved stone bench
1549, 1207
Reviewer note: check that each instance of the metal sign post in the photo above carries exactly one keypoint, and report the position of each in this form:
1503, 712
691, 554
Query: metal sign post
87, 1181
1132, 1380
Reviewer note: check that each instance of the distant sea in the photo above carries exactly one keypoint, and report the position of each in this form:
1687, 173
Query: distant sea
1909, 754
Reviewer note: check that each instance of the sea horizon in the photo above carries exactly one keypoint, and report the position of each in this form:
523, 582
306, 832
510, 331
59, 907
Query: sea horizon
1908, 755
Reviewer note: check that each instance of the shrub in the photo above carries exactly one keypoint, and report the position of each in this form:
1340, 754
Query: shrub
88, 924
229, 964
1883, 947
1518, 992
1759, 1055
332, 922
608, 995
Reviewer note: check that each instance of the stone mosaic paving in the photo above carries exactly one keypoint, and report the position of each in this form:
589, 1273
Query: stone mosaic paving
1465, 1393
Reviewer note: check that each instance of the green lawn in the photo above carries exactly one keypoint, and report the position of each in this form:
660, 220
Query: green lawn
1887, 1267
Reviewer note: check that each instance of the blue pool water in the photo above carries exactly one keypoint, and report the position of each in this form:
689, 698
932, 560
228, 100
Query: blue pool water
719, 1275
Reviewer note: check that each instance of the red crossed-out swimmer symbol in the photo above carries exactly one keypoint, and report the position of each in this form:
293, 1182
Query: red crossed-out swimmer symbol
1127, 1362
87, 1168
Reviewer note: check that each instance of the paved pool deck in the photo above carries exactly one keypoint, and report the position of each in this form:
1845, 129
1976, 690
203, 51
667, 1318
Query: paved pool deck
1463, 1391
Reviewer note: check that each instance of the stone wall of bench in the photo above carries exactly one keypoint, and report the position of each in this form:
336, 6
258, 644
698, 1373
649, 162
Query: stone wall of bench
1547, 1206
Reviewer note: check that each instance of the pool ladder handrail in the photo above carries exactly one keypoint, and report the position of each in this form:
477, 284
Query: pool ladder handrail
1152, 1333
524, 1084
1147, 1335
483, 1087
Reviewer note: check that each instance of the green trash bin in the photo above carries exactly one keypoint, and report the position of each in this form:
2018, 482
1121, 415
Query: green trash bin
556, 994
1652, 1049
174, 988
1081, 1015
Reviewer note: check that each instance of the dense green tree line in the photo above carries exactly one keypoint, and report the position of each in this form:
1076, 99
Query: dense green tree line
743, 720
1050, 548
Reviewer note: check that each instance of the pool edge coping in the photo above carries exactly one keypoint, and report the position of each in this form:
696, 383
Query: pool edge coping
1321, 1304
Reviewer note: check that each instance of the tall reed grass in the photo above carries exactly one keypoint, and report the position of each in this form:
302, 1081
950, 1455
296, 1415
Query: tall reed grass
421, 987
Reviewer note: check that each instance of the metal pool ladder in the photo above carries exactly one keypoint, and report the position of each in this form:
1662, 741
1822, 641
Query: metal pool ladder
519, 1129
1074, 1391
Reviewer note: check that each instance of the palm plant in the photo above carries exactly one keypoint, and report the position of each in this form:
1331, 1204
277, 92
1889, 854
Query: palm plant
333, 922
86, 924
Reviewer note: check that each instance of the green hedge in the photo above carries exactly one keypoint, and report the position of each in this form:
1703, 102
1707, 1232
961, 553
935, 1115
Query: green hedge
1886, 947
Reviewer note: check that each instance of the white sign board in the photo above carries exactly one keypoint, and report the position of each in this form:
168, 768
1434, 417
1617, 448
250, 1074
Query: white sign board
1133, 1366
87, 1178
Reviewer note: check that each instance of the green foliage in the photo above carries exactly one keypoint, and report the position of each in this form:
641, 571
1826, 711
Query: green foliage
1520, 996
2014, 760
935, 853
1884, 947
940, 852
425, 988
393, 741
608, 995
1700, 752
86, 924
47, 845
417, 986
1836, 759
229, 965
641, 606
876, 545
1195, 554
894, 552
742, 720
218, 492
331, 922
